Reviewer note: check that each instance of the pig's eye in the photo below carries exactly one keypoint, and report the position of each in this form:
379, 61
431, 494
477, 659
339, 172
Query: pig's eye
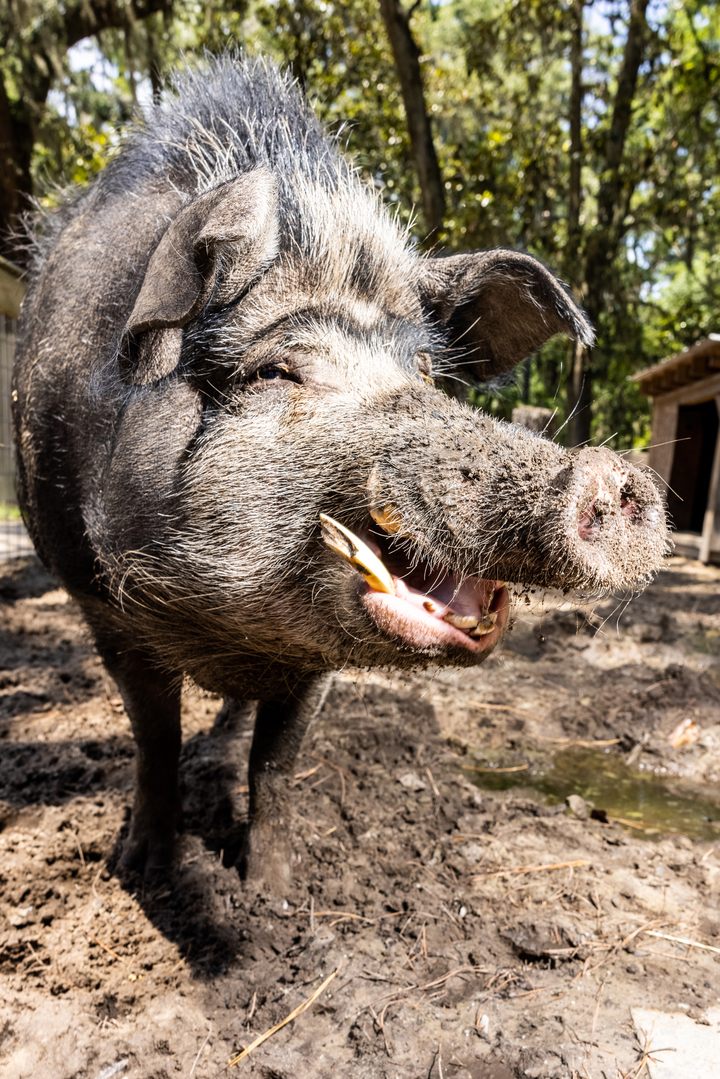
270, 371
273, 370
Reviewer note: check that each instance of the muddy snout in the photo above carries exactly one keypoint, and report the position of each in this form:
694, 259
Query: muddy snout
611, 531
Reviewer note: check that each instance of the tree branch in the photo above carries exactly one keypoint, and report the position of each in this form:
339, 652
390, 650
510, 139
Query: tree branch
407, 62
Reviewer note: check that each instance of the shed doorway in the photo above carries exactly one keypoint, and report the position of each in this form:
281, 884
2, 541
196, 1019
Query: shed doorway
696, 434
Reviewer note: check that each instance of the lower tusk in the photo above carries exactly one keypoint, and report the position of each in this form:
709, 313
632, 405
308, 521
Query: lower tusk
485, 625
352, 549
461, 621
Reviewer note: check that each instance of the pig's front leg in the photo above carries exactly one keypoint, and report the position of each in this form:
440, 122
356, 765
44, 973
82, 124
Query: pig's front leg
279, 730
152, 701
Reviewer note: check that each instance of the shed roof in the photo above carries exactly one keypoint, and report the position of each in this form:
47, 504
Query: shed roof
699, 361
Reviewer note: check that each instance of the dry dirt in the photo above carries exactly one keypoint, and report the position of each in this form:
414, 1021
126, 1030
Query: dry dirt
466, 933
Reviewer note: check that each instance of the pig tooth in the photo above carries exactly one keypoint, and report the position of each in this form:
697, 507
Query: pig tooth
387, 518
461, 621
485, 625
350, 547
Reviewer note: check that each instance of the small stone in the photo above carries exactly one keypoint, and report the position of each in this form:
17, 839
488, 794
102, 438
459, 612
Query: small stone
579, 807
412, 781
21, 917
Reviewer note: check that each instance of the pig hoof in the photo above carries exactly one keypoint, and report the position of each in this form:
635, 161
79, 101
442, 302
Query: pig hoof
264, 862
146, 855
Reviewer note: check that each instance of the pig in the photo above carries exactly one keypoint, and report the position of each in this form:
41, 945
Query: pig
232, 453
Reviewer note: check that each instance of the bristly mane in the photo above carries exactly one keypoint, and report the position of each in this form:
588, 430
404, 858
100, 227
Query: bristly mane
223, 117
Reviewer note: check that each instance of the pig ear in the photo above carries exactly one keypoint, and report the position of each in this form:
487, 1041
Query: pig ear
497, 307
232, 229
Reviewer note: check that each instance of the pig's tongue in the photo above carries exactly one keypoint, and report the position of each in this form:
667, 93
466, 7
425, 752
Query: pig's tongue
464, 606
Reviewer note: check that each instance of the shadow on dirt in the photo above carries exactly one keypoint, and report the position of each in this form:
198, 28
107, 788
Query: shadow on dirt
52, 773
24, 578
202, 906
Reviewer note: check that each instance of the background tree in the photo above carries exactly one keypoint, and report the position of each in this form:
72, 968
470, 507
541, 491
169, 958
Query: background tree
36, 39
407, 61
583, 131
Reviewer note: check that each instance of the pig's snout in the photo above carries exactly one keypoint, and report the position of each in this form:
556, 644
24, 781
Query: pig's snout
477, 498
613, 523
611, 491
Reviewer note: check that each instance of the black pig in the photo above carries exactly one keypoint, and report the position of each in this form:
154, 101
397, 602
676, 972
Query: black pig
232, 453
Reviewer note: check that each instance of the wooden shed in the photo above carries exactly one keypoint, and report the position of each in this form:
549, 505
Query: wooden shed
685, 448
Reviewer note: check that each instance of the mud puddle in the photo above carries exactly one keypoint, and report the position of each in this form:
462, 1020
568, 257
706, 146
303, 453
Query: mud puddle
650, 804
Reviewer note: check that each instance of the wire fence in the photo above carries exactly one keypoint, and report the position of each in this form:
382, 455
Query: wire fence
14, 540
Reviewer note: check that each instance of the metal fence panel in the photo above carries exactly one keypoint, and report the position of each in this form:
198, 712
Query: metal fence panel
14, 540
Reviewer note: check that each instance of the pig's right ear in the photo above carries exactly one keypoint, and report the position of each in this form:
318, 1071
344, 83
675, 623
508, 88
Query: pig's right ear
232, 229
496, 307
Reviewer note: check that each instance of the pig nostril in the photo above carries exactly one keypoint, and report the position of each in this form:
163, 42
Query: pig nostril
628, 505
589, 522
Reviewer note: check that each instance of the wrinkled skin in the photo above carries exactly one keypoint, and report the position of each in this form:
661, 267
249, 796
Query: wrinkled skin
245, 355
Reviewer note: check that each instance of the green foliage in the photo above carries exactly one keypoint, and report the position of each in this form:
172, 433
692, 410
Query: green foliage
497, 82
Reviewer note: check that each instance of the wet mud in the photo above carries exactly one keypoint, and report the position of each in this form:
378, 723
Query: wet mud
462, 923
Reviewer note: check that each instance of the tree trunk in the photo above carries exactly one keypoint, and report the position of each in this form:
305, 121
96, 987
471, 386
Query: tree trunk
578, 399
16, 145
153, 59
53, 34
407, 62
572, 259
602, 243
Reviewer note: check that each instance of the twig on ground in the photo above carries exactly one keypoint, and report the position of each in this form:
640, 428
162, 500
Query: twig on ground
437, 1059
199, 1054
253, 1007
580, 743
612, 949
646, 1056
108, 949
628, 823
682, 940
519, 870
341, 773
243, 788
596, 1012
380, 1023
397, 994
345, 915
299, 776
433, 784
492, 771
489, 706
283, 1022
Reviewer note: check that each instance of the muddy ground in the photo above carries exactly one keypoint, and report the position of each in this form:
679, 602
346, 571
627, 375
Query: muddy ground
465, 932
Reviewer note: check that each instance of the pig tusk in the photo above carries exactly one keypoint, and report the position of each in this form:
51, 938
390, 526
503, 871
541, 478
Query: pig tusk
387, 519
350, 547
461, 621
485, 625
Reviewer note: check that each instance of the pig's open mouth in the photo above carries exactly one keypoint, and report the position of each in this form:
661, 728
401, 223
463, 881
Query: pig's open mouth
427, 608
